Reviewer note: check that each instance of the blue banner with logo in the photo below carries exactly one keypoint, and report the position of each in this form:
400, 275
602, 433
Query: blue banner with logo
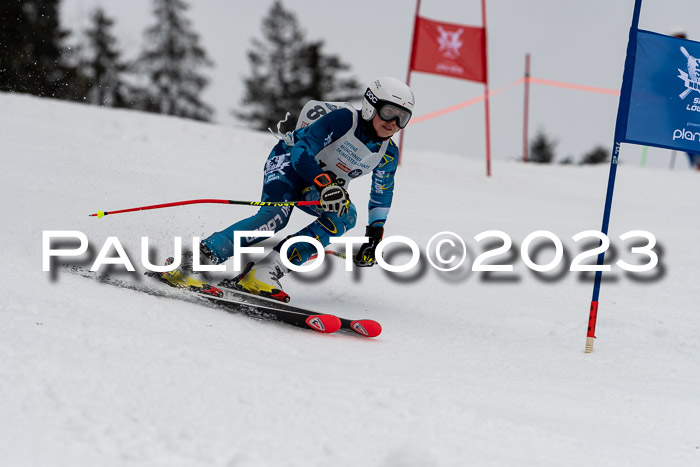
664, 93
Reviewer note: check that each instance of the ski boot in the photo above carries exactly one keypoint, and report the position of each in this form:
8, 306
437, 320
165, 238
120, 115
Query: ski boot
180, 279
262, 278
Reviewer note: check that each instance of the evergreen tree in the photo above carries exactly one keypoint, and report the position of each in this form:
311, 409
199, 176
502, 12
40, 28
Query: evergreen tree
14, 29
31, 48
287, 72
171, 61
103, 66
568, 160
597, 155
542, 148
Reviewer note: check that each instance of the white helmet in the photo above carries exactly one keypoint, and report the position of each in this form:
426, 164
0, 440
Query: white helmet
392, 98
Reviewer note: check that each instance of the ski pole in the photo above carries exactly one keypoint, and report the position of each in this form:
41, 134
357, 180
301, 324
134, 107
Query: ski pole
101, 214
330, 252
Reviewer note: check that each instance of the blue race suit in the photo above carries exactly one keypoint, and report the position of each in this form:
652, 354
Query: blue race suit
289, 175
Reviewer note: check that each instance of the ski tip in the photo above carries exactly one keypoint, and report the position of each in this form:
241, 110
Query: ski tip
324, 323
366, 327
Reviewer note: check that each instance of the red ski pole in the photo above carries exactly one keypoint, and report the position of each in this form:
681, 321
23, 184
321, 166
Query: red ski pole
101, 214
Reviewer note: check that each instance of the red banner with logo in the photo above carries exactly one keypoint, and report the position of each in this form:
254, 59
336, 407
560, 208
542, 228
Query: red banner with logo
449, 49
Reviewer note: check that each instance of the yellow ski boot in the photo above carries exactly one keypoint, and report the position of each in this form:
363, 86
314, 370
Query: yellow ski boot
264, 278
178, 279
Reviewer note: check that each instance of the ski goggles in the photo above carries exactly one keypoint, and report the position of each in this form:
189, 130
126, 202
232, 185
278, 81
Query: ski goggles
389, 111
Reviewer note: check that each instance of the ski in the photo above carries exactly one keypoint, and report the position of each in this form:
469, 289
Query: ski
320, 322
363, 327
252, 305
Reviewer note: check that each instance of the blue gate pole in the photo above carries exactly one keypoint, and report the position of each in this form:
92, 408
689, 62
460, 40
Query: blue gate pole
620, 134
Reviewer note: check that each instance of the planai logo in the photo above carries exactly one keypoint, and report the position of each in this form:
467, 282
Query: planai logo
691, 79
686, 135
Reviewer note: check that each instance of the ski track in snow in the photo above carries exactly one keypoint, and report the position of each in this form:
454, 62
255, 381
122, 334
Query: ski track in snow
471, 369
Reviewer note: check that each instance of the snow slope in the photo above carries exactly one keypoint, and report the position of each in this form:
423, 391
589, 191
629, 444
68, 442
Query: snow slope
472, 368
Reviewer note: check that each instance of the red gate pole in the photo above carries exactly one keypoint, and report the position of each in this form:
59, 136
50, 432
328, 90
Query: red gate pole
486, 93
526, 106
408, 73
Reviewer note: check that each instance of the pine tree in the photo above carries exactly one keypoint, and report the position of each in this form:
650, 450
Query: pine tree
171, 61
103, 66
13, 33
542, 149
32, 50
287, 71
597, 155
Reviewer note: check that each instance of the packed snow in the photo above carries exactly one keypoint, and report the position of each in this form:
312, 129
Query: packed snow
472, 368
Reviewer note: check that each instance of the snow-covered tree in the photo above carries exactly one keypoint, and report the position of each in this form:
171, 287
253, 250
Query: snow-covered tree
102, 64
171, 62
287, 71
597, 155
32, 51
542, 148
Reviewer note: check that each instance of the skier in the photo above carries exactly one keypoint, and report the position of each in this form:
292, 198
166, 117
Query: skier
317, 162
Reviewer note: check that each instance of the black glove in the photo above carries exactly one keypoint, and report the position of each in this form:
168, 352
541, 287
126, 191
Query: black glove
365, 257
334, 198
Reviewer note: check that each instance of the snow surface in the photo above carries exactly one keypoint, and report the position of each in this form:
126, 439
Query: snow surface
471, 369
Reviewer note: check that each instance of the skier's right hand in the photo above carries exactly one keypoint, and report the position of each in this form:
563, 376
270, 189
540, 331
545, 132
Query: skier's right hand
334, 198
366, 256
